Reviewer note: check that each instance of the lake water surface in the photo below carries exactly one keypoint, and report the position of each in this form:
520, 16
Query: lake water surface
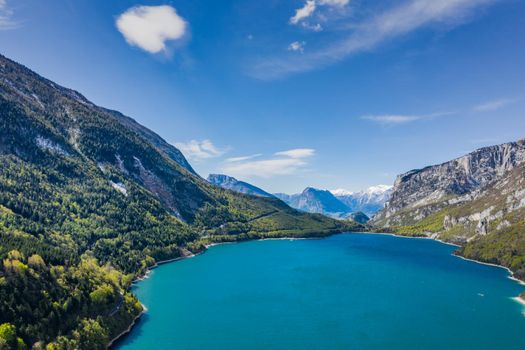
350, 291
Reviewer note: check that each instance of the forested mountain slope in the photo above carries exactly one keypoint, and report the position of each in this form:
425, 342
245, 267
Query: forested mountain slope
88, 200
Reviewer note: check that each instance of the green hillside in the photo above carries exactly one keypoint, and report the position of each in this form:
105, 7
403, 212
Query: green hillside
89, 200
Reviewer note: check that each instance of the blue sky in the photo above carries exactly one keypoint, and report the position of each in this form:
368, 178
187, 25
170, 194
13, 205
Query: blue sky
289, 94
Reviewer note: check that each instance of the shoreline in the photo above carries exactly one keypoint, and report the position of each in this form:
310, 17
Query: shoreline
147, 274
510, 276
141, 278
414, 237
130, 327
519, 300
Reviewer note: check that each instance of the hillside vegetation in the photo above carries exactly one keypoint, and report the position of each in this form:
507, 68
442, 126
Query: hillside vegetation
89, 199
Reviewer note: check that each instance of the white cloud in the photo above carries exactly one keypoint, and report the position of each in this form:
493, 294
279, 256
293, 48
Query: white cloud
340, 3
199, 150
494, 105
372, 31
149, 27
391, 119
304, 12
297, 46
282, 163
308, 10
243, 158
265, 168
315, 27
397, 119
297, 153
6, 15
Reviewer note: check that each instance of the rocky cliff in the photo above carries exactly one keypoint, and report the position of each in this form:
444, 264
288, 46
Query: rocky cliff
418, 193
477, 201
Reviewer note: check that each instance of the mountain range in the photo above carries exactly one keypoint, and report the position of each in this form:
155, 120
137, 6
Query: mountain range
313, 200
369, 201
89, 200
340, 204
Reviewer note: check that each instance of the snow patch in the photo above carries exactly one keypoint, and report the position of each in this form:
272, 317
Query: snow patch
341, 192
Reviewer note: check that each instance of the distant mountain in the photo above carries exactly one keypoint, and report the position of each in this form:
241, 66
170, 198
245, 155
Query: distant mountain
339, 203
369, 201
359, 217
231, 183
477, 201
313, 200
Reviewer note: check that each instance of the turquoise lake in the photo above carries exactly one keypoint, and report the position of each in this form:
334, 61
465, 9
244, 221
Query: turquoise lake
350, 291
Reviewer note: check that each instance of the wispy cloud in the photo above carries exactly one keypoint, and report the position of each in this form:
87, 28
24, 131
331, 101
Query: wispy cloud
303, 15
282, 163
304, 12
297, 46
391, 119
243, 158
334, 2
371, 32
6, 16
200, 150
494, 105
150, 27
398, 119
296, 153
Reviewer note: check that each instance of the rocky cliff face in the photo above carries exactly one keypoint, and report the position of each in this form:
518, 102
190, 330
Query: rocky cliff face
477, 201
419, 193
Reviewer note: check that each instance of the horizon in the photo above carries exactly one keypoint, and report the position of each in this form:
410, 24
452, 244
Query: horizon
329, 94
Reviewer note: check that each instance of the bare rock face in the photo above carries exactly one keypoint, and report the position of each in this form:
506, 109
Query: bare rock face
456, 181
